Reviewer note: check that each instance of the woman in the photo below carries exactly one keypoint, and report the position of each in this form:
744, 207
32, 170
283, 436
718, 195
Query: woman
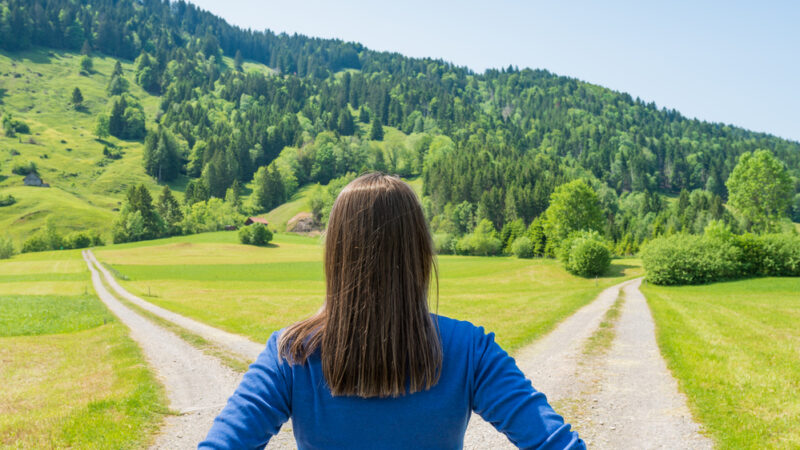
373, 368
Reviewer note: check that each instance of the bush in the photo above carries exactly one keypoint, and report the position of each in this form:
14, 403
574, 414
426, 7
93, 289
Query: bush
444, 243
479, 244
7, 200
585, 254
522, 247
6, 248
35, 243
24, 168
245, 236
260, 235
688, 259
483, 241
781, 255
691, 259
79, 239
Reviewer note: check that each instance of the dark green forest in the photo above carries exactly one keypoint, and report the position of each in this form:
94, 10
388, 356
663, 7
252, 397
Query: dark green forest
489, 146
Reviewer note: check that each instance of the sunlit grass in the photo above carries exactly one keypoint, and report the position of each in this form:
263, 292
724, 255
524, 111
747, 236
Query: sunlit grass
255, 291
71, 376
735, 349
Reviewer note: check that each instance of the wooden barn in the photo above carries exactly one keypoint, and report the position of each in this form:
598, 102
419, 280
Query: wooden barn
252, 220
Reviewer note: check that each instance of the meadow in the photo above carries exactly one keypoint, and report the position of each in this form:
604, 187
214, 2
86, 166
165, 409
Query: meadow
71, 376
734, 348
254, 291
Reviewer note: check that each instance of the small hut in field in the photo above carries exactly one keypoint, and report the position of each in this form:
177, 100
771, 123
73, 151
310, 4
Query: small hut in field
252, 220
33, 179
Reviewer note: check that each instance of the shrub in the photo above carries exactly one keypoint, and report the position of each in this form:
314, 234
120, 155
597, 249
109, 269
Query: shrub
79, 239
479, 244
24, 168
690, 259
7, 200
483, 241
35, 243
245, 236
444, 243
585, 254
781, 255
6, 248
261, 235
522, 247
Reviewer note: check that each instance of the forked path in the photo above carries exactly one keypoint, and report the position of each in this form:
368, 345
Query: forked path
629, 397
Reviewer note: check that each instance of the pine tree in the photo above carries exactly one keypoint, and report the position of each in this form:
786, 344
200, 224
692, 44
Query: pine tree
237, 60
363, 115
116, 120
86, 50
346, 126
139, 199
170, 211
77, 98
86, 64
376, 132
161, 155
117, 70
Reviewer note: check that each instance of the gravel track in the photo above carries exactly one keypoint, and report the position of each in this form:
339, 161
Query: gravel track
551, 364
238, 345
634, 401
197, 385
627, 398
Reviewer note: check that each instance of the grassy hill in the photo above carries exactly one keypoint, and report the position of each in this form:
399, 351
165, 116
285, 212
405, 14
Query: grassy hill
85, 186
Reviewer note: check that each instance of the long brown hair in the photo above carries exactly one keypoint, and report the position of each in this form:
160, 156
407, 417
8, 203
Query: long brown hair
375, 333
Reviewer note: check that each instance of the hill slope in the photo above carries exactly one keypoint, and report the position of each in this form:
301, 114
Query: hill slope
497, 144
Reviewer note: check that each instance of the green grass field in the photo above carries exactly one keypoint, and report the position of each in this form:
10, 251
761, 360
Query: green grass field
71, 376
255, 291
735, 349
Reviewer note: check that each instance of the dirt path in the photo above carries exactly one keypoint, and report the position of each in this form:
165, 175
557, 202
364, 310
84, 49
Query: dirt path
197, 385
550, 363
633, 400
625, 398
238, 345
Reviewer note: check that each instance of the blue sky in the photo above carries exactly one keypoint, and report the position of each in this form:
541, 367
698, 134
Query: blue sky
732, 62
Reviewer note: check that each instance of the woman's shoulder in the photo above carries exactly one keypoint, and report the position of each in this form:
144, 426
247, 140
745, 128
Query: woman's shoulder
459, 332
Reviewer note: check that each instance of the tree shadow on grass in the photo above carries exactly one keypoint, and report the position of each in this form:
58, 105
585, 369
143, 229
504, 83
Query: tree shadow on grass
617, 270
3, 92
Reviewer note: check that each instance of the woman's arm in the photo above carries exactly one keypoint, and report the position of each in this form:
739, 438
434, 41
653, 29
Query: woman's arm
258, 407
506, 399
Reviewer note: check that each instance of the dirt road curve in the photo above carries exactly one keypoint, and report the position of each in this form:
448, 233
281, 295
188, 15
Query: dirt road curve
238, 345
197, 385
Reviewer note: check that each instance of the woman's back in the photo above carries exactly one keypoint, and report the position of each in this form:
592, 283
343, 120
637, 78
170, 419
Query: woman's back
373, 368
477, 375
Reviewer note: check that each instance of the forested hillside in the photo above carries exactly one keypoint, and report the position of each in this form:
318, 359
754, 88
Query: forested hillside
488, 146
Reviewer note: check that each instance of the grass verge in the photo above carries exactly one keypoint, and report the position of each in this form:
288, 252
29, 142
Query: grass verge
734, 348
600, 341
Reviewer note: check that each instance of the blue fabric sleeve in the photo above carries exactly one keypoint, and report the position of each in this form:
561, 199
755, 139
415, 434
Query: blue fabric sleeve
504, 397
258, 407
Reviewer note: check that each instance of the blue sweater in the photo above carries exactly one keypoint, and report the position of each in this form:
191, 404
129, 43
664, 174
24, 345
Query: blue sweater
477, 375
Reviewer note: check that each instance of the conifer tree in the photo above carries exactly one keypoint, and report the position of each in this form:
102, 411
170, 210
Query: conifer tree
346, 126
170, 211
237, 60
376, 132
77, 97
